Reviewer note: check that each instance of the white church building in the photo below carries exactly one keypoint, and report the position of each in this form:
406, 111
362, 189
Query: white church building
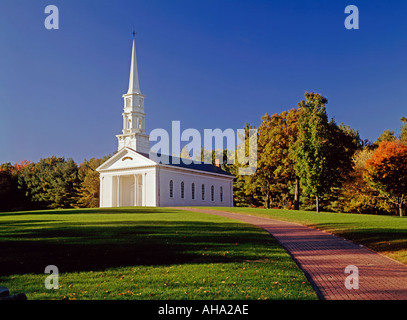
132, 178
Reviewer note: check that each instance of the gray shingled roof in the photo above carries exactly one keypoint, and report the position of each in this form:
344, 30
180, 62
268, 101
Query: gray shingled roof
193, 166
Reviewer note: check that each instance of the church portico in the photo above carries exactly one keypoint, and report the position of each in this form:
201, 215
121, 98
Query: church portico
128, 190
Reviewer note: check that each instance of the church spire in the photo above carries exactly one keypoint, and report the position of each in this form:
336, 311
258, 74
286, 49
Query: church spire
134, 132
134, 87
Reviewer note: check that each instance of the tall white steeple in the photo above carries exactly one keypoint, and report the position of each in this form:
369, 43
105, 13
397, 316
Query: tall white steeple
134, 86
133, 135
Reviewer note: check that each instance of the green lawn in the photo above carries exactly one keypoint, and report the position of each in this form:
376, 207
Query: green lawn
384, 234
144, 253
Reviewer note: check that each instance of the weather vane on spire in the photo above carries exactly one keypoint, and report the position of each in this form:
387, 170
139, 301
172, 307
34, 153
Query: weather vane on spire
134, 33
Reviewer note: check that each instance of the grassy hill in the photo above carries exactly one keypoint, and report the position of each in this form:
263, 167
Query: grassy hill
144, 253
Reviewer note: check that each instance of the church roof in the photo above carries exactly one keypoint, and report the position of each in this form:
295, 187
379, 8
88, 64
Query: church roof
177, 162
130, 158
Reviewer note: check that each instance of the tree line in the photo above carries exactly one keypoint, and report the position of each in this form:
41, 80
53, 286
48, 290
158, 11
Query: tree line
51, 183
304, 161
307, 161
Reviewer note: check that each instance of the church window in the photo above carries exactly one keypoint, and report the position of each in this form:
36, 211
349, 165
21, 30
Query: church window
193, 191
212, 193
203, 192
171, 189
221, 194
182, 190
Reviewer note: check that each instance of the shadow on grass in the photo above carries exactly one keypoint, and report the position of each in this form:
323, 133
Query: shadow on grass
385, 240
379, 239
136, 210
73, 246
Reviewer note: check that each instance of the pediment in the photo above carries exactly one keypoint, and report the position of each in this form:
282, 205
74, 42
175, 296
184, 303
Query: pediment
126, 158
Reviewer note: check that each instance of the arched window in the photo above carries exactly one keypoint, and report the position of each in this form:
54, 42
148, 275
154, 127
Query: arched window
193, 191
221, 194
212, 193
171, 189
203, 192
182, 190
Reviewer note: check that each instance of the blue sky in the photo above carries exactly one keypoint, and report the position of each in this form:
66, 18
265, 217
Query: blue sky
209, 64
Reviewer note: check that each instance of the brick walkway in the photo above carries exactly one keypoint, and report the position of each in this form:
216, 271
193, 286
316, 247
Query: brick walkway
323, 258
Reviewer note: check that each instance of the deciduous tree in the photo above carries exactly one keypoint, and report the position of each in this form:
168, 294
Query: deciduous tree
387, 135
246, 190
387, 172
357, 196
275, 175
322, 153
89, 190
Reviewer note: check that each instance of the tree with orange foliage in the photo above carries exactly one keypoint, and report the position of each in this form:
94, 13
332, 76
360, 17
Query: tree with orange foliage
356, 194
386, 171
18, 166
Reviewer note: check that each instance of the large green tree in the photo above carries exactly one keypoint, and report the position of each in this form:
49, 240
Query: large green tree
51, 183
323, 151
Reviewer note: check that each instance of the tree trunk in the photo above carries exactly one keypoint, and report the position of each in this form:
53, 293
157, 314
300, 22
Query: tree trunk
268, 196
317, 203
402, 211
297, 194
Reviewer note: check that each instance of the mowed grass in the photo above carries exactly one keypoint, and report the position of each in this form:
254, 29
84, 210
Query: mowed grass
144, 253
384, 234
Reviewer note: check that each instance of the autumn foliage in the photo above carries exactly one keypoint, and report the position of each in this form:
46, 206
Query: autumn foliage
386, 171
307, 160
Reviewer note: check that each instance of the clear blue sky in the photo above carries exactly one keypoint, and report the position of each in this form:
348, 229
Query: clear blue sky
207, 63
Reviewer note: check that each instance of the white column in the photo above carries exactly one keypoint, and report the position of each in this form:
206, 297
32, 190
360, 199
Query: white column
112, 192
145, 189
135, 190
101, 192
118, 192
